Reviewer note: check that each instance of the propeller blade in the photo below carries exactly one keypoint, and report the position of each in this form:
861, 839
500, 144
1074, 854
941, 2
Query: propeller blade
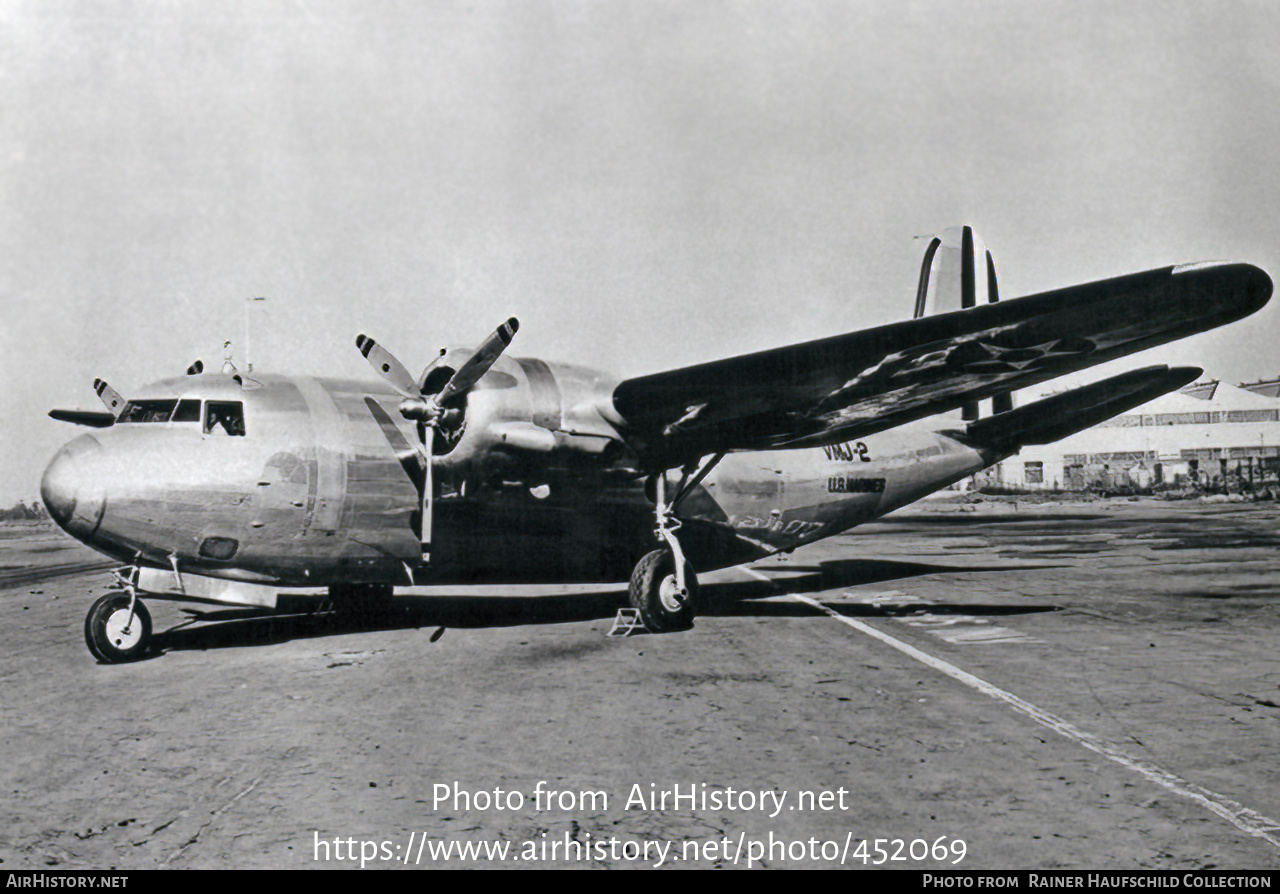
388, 366
110, 397
428, 493
92, 418
415, 459
478, 363
409, 455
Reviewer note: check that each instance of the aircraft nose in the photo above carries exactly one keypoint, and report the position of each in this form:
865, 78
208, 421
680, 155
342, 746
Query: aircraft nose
72, 491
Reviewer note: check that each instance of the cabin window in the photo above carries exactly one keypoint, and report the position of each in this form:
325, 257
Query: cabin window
188, 411
148, 410
224, 417
1033, 473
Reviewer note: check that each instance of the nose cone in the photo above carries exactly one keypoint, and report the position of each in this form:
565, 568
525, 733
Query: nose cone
72, 488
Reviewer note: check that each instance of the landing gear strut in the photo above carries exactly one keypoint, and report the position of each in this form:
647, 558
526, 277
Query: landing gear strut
664, 588
118, 628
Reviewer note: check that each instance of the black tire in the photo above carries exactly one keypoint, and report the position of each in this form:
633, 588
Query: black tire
105, 633
652, 593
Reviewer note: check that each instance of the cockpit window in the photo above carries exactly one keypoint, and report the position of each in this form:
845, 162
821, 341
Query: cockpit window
188, 411
224, 417
166, 410
148, 411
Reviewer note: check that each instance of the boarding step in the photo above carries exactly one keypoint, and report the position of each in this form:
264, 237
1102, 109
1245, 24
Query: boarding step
626, 623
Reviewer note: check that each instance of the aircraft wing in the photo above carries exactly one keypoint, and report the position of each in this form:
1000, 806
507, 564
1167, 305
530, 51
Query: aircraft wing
849, 386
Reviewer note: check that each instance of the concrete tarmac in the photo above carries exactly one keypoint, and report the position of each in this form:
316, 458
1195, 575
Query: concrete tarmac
996, 685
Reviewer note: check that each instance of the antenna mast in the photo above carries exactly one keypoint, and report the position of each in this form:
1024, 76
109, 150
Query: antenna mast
248, 362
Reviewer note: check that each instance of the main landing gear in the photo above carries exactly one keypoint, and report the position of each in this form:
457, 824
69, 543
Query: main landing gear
662, 602
664, 588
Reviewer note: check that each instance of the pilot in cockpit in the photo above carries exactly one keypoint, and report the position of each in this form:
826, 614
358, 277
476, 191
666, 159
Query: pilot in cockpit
229, 416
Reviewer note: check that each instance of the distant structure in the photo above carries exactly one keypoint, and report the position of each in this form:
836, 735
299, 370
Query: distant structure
1267, 388
1210, 436
1202, 390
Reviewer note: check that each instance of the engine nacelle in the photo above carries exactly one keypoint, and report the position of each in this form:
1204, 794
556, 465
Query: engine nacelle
529, 422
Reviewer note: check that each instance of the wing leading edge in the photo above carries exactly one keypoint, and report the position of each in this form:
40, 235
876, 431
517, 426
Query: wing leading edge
852, 385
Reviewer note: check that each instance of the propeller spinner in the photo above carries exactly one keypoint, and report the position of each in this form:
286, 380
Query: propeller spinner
427, 410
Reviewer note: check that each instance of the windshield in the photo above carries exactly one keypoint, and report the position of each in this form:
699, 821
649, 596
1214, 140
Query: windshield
187, 410
148, 410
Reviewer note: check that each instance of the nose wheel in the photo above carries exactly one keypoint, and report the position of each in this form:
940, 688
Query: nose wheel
117, 628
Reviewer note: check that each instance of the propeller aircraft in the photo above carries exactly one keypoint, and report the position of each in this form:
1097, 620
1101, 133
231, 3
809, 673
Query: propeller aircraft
233, 488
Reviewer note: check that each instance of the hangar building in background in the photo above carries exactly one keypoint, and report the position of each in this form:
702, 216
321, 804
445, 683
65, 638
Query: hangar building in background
1211, 436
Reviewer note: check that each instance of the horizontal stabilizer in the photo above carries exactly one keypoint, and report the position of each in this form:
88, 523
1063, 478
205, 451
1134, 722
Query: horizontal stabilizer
1053, 418
94, 418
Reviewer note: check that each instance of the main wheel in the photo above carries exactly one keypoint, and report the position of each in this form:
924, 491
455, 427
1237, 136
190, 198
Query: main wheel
111, 636
654, 596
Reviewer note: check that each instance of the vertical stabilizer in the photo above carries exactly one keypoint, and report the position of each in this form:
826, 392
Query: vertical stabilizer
958, 270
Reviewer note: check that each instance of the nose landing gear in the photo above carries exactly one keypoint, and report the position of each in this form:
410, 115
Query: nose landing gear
118, 628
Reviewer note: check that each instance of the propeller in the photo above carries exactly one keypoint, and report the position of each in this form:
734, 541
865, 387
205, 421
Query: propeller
428, 410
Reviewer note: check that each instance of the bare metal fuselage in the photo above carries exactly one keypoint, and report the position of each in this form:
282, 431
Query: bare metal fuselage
537, 487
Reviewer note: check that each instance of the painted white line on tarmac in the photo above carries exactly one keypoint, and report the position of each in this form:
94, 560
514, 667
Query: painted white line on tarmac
966, 630
959, 630
1244, 819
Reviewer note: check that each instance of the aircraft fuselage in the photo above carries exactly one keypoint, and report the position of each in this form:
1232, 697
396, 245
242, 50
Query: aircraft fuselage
309, 490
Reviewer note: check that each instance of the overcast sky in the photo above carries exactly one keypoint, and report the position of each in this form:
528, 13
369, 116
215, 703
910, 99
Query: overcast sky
644, 184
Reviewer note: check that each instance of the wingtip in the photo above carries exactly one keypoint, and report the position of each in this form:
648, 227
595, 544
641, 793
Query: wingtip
1246, 287
1167, 378
1261, 285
